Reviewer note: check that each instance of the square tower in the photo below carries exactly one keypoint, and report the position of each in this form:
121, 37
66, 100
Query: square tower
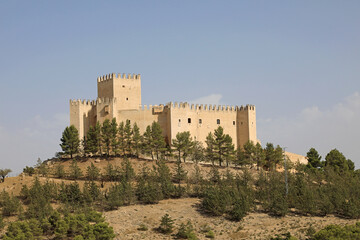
125, 88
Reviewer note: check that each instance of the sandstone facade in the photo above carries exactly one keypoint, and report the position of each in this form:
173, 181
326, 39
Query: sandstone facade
119, 96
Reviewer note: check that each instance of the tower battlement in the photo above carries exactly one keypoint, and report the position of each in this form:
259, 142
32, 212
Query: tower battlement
77, 102
113, 76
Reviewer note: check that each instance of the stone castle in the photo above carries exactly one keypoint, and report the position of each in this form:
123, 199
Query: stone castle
119, 96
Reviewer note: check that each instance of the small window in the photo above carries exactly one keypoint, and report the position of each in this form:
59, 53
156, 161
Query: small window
189, 120
127, 99
241, 123
218, 121
200, 121
123, 86
179, 120
234, 123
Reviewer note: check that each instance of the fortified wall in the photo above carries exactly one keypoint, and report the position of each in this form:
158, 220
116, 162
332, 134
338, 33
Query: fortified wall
119, 96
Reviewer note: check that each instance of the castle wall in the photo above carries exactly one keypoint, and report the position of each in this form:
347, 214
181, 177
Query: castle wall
145, 116
199, 120
105, 109
82, 115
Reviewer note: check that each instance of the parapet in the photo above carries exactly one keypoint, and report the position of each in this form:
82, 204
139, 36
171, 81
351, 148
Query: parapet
210, 107
112, 76
78, 102
105, 100
154, 108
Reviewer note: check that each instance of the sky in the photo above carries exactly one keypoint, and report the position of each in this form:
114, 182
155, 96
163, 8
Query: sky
297, 61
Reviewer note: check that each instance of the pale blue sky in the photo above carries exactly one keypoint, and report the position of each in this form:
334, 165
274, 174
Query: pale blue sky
297, 61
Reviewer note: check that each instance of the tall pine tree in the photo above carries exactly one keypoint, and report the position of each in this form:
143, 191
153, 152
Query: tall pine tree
70, 141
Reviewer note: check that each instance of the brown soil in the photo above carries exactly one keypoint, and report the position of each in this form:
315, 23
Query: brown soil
126, 221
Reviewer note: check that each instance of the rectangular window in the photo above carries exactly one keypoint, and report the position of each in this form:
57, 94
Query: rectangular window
218, 121
189, 120
200, 121
234, 123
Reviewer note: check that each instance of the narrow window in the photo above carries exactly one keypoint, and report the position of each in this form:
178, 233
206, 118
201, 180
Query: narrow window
234, 123
200, 121
127, 99
241, 123
189, 120
179, 120
218, 121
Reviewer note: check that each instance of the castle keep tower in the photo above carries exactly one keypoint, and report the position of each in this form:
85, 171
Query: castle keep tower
125, 88
119, 96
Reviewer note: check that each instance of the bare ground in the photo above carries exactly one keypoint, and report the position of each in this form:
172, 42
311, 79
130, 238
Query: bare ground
126, 221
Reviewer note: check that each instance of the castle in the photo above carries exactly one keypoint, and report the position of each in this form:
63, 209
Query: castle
119, 96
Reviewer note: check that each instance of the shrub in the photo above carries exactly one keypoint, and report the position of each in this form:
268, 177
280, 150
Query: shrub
186, 231
210, 234
29, 170
10, 204
166, 225
142, 227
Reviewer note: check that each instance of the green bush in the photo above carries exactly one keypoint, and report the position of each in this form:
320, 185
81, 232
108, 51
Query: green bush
210, 234
73, 226
166, 224
186, 231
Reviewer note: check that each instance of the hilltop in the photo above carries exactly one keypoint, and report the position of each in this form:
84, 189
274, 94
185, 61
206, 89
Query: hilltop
127, 220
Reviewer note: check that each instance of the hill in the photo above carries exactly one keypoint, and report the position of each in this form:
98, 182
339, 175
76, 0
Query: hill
128, 220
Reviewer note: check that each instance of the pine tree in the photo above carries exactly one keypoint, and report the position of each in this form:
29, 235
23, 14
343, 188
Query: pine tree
114, 137
229, 153
183, 144
147, 142
91, 141
127, 171
198, 152
70, 141
10, 204
158, 140
106, 136
121, 132
74, 171
98, 137
210, 149
163, 177
273, 156
59, 171
39, 202
180, 173
223, 146
314, 159
92, 172
166, 225
259, 156
336, 160
136, 140
128, 137
110, 172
